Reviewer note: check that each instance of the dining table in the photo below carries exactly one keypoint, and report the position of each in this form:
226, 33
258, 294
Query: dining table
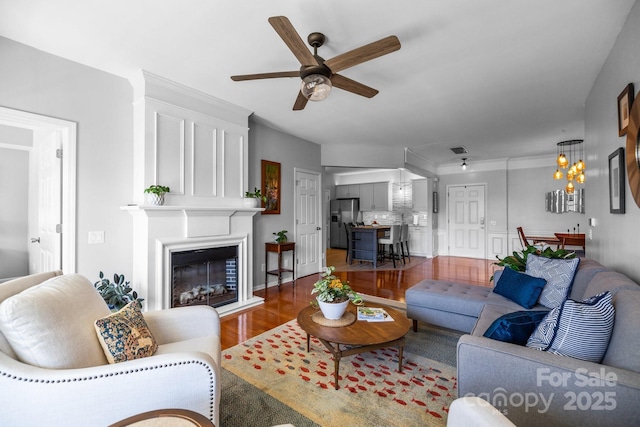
571, 239
363, 242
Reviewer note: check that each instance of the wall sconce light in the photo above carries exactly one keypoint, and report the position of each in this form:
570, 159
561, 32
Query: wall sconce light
464, 164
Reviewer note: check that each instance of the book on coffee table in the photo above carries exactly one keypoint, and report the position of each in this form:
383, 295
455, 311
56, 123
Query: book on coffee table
374, 314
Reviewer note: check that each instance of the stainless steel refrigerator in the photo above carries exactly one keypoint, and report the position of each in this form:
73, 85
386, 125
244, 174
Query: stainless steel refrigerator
342, 211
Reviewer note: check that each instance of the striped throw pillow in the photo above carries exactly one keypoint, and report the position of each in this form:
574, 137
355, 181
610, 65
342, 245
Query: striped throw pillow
579, 329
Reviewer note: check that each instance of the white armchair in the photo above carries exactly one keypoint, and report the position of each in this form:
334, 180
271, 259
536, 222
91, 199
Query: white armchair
183, 373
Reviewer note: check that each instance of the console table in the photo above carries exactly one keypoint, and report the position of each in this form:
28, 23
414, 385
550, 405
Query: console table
279, 248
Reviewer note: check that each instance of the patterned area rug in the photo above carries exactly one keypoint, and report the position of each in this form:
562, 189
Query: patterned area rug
372, 390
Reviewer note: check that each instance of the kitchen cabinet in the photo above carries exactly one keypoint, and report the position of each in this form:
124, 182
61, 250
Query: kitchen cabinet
347, 191
420, 195
420, 241
374, 196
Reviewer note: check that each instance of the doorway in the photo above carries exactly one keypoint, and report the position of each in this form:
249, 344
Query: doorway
52, 189
308, 226
466, 220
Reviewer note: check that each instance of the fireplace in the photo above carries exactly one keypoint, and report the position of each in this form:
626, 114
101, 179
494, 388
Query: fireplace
175, 238
204, 277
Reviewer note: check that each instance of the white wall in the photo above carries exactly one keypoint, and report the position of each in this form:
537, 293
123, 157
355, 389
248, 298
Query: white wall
615, 238
100, 103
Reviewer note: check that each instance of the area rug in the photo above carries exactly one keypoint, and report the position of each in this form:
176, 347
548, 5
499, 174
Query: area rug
276, 368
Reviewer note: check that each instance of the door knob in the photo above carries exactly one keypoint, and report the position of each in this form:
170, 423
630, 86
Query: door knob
35, 240
318, 228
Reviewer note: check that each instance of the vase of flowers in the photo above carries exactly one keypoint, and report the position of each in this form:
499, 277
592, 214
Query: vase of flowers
333, 295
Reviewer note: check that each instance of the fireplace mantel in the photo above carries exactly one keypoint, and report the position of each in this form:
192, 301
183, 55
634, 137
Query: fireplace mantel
157, 227
199, 221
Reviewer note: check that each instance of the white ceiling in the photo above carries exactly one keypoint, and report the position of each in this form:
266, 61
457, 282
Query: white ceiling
504, 78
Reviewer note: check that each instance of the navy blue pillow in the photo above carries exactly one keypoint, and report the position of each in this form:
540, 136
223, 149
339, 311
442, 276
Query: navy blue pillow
516, 327
519, 287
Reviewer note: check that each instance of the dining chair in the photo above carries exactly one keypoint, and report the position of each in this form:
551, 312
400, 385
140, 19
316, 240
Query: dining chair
347, 228
392, 241
523, 239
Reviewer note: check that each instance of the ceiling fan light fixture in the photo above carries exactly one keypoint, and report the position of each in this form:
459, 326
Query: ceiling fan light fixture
316, 87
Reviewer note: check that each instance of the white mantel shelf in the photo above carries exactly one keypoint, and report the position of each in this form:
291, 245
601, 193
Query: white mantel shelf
212, 209
199, 221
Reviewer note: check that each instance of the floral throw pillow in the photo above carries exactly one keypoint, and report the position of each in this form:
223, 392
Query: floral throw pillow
124, 335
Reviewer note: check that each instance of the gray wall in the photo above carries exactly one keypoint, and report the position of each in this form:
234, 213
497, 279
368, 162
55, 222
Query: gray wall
527, 188
14, 192
291, 152
615, 238
100, 103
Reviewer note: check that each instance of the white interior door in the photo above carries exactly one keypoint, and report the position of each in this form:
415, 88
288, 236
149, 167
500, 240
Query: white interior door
466, 219
52, 133
45, 208
308, 223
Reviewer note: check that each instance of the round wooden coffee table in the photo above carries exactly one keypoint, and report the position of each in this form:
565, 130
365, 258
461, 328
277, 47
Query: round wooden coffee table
361, 336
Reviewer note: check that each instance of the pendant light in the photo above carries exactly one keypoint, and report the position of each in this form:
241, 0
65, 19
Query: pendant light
566, 154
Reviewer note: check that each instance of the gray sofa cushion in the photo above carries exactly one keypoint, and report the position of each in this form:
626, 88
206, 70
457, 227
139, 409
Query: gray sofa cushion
456, 298
611, 281
587, 269
624, 346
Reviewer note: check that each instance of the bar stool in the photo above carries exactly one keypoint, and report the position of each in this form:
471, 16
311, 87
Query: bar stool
404, 241
392, 241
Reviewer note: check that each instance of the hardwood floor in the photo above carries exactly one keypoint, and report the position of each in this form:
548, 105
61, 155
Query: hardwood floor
284, 304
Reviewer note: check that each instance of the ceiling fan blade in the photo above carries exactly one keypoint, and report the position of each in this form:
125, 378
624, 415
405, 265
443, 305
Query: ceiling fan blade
353, 86
292, 39
363, 53
300, 103
274, 75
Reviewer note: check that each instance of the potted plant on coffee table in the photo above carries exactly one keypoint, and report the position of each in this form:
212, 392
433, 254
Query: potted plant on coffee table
333, 295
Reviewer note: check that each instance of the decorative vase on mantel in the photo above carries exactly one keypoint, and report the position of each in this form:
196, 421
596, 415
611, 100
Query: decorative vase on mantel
155, 199
333, 310
251, 202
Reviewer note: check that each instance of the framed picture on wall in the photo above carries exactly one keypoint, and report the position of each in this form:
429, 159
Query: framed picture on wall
616, 181
625, 100
271, 187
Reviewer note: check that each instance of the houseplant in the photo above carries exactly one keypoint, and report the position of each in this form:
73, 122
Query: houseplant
118, 293
253, 198
518, 261
156, 194
281, 236
333, 295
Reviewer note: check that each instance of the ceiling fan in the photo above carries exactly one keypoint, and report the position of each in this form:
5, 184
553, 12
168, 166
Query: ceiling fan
318, 75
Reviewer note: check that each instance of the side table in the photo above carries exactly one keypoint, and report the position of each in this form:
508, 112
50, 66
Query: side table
279, 248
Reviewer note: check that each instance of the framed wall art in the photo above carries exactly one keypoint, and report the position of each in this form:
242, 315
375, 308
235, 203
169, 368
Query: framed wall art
625, 100
271, 187
616, 181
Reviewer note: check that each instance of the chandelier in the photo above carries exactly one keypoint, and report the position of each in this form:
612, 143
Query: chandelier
567, 153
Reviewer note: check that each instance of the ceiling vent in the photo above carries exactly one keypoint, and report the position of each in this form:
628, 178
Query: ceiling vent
459, 150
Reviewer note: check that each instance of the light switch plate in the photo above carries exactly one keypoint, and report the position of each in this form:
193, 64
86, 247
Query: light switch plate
96, 237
